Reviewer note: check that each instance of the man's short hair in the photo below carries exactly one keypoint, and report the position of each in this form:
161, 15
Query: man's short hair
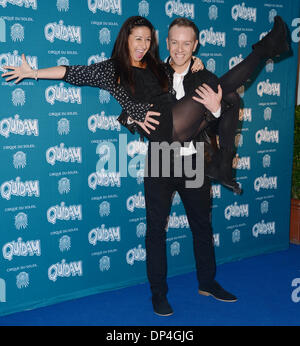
182, 21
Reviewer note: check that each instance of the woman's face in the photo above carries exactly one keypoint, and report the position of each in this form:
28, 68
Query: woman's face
139, 42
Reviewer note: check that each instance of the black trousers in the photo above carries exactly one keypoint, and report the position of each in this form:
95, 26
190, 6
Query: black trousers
197, 203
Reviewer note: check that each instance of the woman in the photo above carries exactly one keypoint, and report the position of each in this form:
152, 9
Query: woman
138, 80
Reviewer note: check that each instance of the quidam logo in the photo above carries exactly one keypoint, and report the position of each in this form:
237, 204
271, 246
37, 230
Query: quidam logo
208, 36
245, 114
264, 182
102, 178
267, 136
64, 213
179, 221
18, 126
21, 248
63, 154
136, 254
61, 94
267, 88
176, 7
135, 201
20, 189
263, 228
235, 210
14, 59
137, 147
93, 59
103, 122
243, 163
235, 60
243, 12
104, 234
20, 3
62, 32
108, 6
64, 270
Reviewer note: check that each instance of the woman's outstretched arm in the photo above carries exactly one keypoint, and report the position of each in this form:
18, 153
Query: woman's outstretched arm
101, 75
25, 71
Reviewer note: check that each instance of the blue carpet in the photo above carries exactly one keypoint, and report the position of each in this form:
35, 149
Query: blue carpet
263, 285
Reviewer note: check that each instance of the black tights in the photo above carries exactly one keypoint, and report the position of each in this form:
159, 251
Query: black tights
189, 115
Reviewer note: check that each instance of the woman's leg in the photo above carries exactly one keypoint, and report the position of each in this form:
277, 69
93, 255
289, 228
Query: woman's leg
220, 167
187, 127
188, 115
273, 44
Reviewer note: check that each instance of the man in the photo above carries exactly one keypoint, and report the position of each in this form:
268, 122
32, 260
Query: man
181, 43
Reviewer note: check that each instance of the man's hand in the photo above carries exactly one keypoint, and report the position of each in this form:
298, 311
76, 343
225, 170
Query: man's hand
147, 124
210, 99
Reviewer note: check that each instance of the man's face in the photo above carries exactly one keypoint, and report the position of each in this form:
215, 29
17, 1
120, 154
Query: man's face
181, 43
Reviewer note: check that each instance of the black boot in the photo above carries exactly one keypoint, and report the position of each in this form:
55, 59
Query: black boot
225, 172
275, 42
220, 169
161, 305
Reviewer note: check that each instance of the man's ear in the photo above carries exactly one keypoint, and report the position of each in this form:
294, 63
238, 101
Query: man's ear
195, 45
167, 40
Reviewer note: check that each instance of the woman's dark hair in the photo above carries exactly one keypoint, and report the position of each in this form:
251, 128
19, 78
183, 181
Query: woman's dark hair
122, 57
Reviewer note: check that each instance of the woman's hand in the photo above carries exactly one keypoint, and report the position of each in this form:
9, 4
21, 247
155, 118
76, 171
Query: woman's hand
197, 65
18, 73
147, 124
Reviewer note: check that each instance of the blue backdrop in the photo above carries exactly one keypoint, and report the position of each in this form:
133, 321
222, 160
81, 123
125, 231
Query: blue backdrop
69, 229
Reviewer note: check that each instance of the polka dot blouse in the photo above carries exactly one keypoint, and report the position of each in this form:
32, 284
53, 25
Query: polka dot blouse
102, 75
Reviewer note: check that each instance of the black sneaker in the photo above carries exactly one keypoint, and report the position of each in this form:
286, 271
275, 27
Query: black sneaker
161, 305
217, 291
